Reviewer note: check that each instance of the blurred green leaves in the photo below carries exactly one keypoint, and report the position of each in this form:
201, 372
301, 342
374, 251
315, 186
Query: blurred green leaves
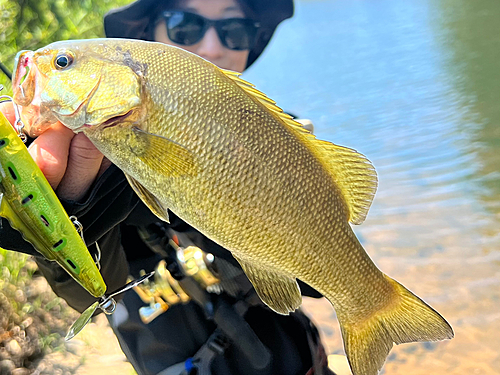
31, 24
30, 314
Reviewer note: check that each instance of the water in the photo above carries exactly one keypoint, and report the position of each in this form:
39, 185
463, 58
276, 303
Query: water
415, 86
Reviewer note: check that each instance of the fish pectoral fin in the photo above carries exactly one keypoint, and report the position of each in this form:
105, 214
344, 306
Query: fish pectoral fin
16, 223
405, 318
278, 291
163, 155
149, 199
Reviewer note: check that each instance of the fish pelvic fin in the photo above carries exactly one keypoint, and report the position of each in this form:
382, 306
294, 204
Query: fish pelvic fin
351, 171
278, 291
149, 199
406, 319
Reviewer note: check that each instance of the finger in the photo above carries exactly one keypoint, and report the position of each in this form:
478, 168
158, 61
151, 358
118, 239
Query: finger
50, 152
84, 163
106, 163
7, 108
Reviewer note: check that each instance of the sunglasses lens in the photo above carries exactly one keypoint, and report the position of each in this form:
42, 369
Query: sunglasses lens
237, 33
184, 28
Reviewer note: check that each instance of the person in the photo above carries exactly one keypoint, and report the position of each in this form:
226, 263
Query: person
203, 326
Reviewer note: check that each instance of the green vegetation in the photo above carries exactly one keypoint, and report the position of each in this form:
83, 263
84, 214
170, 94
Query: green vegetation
33, 321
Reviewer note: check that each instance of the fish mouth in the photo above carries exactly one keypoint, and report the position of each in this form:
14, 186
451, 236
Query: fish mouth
24, 76
27, 91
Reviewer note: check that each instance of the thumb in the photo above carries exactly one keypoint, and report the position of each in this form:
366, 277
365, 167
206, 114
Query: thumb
50, 152
7, 108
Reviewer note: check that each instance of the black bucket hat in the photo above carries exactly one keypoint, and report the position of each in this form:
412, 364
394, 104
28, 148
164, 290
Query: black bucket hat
133, 20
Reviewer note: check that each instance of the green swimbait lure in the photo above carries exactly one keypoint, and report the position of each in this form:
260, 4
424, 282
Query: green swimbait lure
30, 205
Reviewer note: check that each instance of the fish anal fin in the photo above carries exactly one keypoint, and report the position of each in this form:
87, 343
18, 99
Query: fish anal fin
278, 291
149, 199
405, 319
164, 156
352, 172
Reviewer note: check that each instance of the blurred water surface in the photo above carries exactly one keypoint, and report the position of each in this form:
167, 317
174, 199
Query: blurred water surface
415, 86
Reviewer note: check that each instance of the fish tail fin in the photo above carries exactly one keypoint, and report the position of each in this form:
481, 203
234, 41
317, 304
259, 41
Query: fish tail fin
406, 319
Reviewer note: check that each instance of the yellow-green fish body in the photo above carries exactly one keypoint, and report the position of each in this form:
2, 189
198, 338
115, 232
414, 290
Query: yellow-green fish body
207, 145
32, 208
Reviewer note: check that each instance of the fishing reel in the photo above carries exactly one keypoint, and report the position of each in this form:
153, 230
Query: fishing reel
164, 290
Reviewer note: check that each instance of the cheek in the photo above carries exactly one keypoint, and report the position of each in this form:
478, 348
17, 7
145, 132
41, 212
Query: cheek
160, 34
237, 60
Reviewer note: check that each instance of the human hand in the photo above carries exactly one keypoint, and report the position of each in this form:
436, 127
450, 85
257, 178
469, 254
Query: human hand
70, 162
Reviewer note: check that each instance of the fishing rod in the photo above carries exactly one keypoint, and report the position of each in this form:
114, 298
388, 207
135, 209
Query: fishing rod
5, 71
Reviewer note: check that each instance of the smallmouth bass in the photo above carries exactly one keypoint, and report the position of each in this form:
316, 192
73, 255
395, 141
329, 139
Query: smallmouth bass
207, 145
30, 205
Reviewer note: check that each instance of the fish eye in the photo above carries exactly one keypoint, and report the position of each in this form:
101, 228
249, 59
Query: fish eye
63, 60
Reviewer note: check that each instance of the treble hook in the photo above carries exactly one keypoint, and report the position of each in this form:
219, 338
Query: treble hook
106, 303
79, 229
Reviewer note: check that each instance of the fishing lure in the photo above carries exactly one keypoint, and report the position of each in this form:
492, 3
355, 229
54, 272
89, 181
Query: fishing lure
30, 205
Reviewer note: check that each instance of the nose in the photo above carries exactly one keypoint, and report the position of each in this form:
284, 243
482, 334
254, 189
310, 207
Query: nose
210, 47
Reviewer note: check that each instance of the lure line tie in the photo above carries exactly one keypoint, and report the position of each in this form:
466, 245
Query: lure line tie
18, 124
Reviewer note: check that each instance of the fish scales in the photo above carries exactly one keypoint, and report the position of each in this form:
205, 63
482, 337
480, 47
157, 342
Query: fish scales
310, 204
259, 215
207, 145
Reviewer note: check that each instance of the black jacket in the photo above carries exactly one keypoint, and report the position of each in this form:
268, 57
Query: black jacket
110, 214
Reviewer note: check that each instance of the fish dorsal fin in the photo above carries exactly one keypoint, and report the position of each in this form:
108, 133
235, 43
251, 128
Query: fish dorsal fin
352, 172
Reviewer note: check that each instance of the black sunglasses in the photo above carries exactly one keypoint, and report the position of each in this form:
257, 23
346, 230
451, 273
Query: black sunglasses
186, 29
